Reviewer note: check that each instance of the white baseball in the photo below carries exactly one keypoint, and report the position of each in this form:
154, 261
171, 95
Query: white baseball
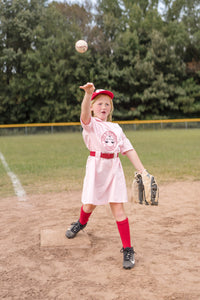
81, 46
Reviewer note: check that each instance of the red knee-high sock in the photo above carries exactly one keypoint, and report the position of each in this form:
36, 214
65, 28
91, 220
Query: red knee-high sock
124, 231
84, 217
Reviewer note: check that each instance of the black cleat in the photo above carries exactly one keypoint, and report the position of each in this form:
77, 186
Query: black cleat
129, 260
74, 229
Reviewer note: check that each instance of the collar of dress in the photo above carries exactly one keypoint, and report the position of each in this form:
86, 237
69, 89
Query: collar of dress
99, 120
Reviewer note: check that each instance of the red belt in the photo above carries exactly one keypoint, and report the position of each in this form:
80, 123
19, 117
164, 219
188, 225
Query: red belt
104, 155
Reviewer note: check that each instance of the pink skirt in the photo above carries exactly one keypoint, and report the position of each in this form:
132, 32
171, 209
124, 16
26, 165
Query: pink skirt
104, 182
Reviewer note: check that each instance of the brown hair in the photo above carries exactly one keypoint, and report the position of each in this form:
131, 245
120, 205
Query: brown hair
109, 118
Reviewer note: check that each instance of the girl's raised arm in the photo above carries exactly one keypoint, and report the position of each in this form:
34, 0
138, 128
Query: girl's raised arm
86, 103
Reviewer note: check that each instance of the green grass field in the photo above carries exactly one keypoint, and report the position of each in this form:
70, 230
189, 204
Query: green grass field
56, 162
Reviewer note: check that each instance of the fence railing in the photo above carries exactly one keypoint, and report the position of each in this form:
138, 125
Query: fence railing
74, 126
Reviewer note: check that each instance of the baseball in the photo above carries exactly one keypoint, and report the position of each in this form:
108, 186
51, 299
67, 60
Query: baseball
81, 46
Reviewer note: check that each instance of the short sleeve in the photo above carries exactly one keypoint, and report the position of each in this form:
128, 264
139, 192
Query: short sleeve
126, 145
89, 126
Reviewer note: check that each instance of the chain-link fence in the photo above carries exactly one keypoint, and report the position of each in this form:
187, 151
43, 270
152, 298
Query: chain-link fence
53, 128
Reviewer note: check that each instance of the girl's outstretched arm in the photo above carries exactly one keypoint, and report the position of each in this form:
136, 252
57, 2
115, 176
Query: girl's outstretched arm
86, 103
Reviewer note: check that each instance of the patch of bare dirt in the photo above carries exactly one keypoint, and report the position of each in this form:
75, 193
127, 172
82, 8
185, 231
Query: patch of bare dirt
165, 238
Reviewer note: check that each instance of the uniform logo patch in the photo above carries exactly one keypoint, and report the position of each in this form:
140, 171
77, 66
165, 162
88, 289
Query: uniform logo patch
109, 140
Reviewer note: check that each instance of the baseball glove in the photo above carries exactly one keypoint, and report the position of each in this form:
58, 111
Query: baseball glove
145, 189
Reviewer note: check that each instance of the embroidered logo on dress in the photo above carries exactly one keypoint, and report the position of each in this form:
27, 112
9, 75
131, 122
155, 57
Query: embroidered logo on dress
109, 140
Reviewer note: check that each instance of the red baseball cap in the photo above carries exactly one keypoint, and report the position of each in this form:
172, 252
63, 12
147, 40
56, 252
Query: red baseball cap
105, 92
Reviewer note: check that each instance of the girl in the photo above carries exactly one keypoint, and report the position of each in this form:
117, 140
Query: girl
104, 179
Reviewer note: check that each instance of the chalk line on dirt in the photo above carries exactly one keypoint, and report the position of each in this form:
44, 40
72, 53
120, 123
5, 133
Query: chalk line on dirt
19, 191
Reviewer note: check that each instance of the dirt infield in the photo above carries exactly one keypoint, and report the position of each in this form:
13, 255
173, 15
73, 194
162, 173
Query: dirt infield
165, 238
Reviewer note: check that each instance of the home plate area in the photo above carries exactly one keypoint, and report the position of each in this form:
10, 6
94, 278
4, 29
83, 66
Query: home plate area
56, 237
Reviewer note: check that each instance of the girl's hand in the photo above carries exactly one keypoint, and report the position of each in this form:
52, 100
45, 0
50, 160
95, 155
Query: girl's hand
88, 88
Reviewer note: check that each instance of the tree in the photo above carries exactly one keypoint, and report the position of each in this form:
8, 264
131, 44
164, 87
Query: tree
44, 87
18, 19
133, 50
182, 25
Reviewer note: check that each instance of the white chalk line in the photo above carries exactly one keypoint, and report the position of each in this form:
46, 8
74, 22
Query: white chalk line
19, 191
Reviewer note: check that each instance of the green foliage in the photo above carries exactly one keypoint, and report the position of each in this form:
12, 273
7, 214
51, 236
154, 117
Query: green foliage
134, 50
189, 101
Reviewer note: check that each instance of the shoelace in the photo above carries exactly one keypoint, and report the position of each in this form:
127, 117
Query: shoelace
127, 253
76, 228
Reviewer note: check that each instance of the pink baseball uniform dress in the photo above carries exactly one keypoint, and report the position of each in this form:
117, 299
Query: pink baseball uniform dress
104, 180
